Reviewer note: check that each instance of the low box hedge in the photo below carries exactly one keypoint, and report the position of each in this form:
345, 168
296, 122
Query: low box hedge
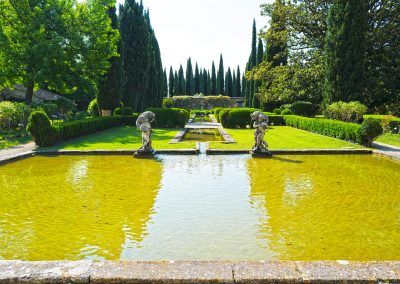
363, 134
170, 117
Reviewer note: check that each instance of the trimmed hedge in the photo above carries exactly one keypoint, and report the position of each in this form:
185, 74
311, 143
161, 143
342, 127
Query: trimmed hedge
73, 129
333, 128
362, 134
198, 102
170, 117
303, 109
45, 134
276, 120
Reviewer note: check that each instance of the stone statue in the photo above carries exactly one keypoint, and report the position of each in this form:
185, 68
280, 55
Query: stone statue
144, 124
261, 126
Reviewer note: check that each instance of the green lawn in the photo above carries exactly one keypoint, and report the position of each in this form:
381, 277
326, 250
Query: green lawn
13, 140
122, 138
284, 137
391, 139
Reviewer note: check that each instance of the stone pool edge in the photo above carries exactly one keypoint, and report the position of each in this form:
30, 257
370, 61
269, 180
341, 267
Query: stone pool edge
86, 271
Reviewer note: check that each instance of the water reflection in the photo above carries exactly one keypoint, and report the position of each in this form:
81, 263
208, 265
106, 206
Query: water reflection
88, 212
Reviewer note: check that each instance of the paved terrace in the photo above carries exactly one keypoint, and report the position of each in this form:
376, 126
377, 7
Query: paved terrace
199, 272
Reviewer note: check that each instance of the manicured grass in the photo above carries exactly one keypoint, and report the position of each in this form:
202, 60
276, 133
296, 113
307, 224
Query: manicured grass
391, 139
284, 137
13, 140
123, 138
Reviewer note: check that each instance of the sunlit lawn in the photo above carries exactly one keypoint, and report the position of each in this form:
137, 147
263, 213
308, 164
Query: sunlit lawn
123, 138
284, 137
391, 139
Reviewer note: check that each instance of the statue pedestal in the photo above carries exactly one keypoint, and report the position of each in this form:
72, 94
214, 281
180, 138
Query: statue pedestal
261, 154
144, 154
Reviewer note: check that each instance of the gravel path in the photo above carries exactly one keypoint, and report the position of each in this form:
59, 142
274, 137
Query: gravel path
17, 150
387, 150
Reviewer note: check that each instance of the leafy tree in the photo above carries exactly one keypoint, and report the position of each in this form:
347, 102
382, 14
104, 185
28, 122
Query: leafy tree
52, 43
220, 78
213, 80
171, 85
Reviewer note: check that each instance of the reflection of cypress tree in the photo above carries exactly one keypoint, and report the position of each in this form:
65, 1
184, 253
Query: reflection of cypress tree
229, 83
110, 91
257, 84
181, 82
171, 82
136, 40
213, 80
220, 78
189, 78
197, 80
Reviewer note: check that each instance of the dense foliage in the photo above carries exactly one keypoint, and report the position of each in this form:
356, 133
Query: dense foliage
303, 109
370, 130
347, 112
345, 50
93, 108
170, 117
43, 133
198, 102
57, 44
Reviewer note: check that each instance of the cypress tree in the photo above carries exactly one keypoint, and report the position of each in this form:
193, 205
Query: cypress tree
243, 87
201, 81
197, 80
246, 88
165, 84
181, 82
238, 83
234, 91
110, 88
189, 78
206, 90
176, 84
257, 84
220, 78
208, 83
213, 80
171, 84
229, 83
136, 46
344, 51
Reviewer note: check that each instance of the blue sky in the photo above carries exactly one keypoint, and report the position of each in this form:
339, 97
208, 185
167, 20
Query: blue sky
203, 29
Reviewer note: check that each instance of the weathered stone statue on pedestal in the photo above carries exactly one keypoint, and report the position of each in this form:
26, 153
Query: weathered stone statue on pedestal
144, 124
260, 147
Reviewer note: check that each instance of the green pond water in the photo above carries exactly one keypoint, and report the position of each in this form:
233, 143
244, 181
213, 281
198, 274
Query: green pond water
200, 208
203, 135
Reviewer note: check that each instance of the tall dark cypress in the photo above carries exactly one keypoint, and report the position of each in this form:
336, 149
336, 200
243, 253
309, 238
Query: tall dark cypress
234, 86
344, 51
197, 80
189, 78
257, 84
246, 89
181, 82
206, 90
165, 84
253, 63
229, 83
238, 83
171, 84
176, 84
110, 87
213, 80
136, 45
221, 77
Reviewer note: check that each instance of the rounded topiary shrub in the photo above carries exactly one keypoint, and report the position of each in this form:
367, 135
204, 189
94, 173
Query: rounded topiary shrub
347, 112
303, 109
93, 108
286, 111
39, 126
277, 111
370, 129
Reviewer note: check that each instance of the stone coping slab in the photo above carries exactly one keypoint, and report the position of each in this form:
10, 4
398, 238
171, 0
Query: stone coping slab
255, 272
296, 152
